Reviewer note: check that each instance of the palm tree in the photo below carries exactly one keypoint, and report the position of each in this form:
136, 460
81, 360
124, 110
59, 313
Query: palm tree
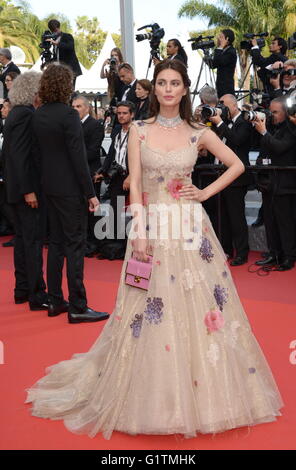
245, 16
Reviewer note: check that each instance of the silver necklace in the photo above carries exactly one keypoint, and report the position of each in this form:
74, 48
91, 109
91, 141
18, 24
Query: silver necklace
169, 123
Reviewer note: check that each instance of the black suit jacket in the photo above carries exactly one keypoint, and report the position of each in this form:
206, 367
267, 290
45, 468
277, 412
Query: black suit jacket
131, 95
112, 152
93, 132
60, 144
280, 148
21, 174
67, 53
10, 68
224, 60
143, 112
238, 138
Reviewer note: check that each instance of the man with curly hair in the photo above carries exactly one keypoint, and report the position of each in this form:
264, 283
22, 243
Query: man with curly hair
68, 189
22, 183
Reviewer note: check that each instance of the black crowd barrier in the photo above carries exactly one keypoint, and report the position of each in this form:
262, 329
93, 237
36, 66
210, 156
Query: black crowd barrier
207, 169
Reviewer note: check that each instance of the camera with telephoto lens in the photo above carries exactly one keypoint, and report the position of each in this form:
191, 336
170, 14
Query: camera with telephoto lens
281, 71
252, 116
114, 170
202, 42
208, 111
47, 55
154, 36
247, 45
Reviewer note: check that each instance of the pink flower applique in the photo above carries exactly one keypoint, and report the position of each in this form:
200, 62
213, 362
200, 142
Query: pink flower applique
142, 137
214, 320
157, 262
118, 317
145, 199
168, 347
195, 383
173, 187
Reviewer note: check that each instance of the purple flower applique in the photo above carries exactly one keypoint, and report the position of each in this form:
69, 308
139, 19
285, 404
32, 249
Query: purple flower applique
153, 311
136, 325
225, 274
252, 370
141, 123
221, 295
193, 139
172, 278
160, 179
205, 250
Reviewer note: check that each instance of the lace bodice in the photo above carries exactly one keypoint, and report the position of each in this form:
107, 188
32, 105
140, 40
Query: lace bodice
159, 167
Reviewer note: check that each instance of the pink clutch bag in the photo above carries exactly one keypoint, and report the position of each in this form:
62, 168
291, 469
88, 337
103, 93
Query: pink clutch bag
138, 273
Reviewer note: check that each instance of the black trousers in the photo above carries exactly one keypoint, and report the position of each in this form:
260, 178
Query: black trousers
67, 238
28, 262
6, 211
281, 225
233, 220
116, 190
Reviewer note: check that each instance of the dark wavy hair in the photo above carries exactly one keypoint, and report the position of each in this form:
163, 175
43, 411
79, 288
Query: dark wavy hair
181, 50
185, 104
56, 84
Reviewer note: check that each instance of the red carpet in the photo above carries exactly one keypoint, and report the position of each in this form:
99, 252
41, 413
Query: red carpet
32, 341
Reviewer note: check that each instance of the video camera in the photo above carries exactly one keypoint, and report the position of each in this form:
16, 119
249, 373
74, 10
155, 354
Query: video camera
46, 55
154, 36
201, 43
247, 45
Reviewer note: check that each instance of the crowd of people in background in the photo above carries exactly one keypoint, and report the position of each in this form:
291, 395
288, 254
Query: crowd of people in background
39, 117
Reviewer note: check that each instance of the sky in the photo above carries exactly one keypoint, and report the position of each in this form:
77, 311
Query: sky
163, 12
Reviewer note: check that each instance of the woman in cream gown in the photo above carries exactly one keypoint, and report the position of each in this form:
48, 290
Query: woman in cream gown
179, 357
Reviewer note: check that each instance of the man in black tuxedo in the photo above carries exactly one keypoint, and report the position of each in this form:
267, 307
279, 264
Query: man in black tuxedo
237, 135
93, 133
278, 49
127, 76
69, 190
22, 184
280, 147
64, 49
225, 60
8, 66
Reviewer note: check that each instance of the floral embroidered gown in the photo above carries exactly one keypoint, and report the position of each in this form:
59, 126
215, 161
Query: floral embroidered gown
178, 358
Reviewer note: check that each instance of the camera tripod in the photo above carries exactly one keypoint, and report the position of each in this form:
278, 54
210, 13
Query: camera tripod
257, 85
205, 65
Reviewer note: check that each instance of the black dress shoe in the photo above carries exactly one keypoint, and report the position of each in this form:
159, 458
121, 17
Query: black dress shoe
21, 299
55, 310
238, 261
89, 315
270, 260
9, 243
36, 307
286, 265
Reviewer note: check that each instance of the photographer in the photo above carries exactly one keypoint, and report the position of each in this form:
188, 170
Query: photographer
175, 50
64, 49
8, 66
110, 71
237, 134
127, 76
225, 60
278, 49
115, 167
285, 82
280, 147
